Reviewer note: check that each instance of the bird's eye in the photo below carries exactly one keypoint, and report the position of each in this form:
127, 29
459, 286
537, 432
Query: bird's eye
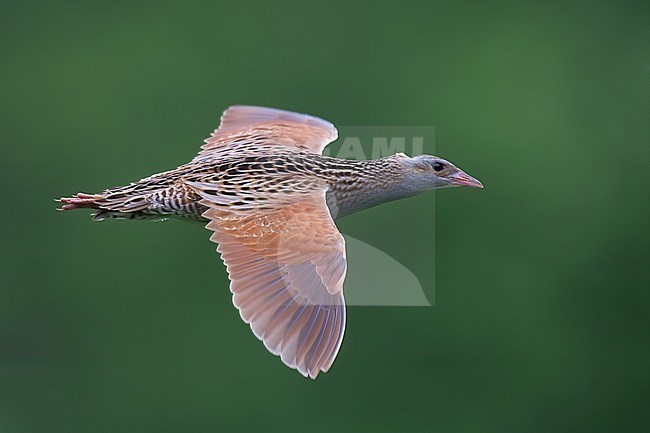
438, 166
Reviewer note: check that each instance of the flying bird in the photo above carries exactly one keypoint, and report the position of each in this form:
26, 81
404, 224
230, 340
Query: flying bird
270, 197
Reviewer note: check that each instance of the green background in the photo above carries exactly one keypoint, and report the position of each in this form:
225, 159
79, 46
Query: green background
541, 316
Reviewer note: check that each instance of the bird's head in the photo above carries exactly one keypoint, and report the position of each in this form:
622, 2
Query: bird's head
431, 172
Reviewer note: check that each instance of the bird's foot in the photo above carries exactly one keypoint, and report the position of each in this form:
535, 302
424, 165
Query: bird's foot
79, 201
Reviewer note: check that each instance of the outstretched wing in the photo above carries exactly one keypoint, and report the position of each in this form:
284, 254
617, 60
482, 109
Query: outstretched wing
243, 125
286, 263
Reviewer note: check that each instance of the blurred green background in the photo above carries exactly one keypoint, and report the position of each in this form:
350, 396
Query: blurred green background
541, 316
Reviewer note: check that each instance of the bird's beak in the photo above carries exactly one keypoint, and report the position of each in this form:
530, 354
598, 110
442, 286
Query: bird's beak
463, 179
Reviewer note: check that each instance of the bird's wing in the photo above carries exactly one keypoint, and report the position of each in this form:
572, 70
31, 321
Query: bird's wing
286, 263
244, 126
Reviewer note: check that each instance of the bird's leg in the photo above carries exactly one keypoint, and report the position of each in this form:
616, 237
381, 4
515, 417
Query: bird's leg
80, 201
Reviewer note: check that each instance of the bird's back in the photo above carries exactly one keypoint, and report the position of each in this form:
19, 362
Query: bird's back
250, 178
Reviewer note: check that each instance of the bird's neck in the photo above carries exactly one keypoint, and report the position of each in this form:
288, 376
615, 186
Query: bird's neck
359, 185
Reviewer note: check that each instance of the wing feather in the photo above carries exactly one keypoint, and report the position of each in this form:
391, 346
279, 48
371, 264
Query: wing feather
246, 127
286, 264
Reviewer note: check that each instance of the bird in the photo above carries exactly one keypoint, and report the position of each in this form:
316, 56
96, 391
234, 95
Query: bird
269, 195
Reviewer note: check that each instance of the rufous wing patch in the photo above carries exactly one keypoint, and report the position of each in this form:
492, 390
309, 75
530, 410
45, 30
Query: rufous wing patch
286, 264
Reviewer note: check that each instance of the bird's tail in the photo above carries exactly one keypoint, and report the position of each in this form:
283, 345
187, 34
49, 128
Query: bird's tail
107, 205
150, 198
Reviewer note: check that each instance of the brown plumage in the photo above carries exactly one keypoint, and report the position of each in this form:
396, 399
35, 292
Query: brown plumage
269, 195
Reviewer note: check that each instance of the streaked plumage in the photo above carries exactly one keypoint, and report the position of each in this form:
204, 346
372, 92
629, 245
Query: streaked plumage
270, 197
